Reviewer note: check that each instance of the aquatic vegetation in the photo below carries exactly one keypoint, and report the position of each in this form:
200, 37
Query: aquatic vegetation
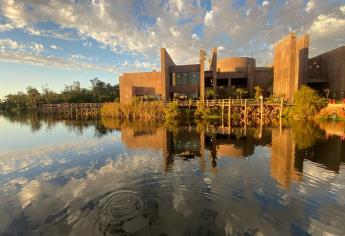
133, 110
202, 111
172, 111
307, 103
331, 114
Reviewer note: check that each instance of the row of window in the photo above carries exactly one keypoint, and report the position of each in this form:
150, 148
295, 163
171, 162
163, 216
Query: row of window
189, 78
193, 78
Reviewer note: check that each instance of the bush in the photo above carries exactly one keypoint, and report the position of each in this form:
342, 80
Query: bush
202, 111
172, 111
133, 110
258, 92
337, 114
307, 103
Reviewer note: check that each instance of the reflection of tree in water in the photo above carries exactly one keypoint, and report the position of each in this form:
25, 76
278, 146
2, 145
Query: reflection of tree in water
37, 121
32, 119
311, 144
305, 134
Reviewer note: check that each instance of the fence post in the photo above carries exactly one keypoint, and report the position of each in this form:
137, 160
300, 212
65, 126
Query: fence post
229, 114
261, 109
245, 112
223, 104
281, 108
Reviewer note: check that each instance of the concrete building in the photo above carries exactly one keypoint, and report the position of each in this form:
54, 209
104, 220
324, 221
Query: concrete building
291, 69
290, 64
193, 80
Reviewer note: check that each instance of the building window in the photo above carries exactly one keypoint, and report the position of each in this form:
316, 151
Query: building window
239, 82
186, 79
223, 82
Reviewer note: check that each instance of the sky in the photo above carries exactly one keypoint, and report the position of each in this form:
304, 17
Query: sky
50, 43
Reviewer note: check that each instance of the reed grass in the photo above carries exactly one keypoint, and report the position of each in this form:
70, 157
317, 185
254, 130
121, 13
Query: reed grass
149, 110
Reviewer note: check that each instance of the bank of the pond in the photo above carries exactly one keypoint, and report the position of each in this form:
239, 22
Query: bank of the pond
247, 111
334, 112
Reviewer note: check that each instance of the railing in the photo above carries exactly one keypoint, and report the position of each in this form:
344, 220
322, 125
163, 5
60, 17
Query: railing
71, 105
227, 102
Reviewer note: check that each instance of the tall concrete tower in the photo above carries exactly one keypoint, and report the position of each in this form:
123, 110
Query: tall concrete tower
290, 65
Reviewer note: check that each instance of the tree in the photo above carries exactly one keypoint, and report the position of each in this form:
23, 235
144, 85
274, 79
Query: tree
258, 92
211, 93
33, 96
306, 103
18, 100
240, 93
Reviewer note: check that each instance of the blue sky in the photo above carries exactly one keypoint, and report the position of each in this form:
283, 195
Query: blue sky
53, 43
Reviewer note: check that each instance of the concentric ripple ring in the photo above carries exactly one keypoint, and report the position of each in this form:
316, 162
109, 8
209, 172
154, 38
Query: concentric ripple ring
120, 206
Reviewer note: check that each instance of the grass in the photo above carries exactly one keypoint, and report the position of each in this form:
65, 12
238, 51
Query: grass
133, 110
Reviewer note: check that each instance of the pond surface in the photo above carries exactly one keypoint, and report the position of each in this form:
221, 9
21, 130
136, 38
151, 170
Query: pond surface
119, 178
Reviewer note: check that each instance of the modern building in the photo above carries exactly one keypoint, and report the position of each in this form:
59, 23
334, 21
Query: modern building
194, 80
291, 69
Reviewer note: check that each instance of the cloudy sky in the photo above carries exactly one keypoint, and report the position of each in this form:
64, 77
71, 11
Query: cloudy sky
54, 42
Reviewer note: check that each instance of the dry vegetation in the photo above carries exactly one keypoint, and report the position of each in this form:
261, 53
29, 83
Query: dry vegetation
133, 110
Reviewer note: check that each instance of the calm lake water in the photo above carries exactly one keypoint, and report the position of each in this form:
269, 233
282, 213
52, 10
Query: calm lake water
119, 178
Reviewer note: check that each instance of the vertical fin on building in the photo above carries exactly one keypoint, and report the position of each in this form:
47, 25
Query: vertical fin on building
166, 62
202, 74
213, 66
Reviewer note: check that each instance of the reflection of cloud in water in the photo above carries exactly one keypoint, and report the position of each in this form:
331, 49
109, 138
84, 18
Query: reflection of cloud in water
72, 188
46, 155
40, 200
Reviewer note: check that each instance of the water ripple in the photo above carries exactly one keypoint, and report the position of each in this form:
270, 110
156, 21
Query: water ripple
117, 208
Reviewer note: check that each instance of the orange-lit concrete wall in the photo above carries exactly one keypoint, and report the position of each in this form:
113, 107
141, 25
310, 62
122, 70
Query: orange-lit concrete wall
235, 64
202, 74
239, 64
290, 65
184, 68
150, 82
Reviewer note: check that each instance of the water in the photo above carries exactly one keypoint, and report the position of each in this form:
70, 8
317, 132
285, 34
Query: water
118, 178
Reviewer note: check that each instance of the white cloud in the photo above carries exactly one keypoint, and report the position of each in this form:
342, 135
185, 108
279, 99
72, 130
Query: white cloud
15, 11
265, 3
11, 45
327, 24
112, 25
12, 51
8, 44
6, 27
36, 47
195, 37
309, 6
87, 44
174, 32
54, 47
208, 20
342, 9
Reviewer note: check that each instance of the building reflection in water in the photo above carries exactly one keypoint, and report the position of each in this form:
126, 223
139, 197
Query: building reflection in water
283, 161
290, 147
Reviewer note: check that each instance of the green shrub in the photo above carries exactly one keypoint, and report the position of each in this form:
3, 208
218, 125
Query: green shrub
172, 111
258, 92
202, 111
307, 103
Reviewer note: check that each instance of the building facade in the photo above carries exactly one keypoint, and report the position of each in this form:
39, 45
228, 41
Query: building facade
291, 69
